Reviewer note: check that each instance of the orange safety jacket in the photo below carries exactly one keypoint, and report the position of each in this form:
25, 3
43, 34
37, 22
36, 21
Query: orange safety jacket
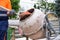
6, 4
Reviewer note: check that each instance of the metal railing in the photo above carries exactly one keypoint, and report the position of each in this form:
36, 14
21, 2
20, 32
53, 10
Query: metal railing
50, 27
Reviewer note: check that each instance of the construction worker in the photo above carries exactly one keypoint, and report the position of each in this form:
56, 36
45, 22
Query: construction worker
5, 4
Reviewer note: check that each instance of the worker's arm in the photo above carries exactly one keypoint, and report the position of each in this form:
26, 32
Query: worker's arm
8, 7
9, 12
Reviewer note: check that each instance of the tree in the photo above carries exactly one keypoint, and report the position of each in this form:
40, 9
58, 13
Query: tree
15, 6
50, 6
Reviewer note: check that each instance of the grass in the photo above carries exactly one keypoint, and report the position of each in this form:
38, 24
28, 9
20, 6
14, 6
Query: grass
10, 31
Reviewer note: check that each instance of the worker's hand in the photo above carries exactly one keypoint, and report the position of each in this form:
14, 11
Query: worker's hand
8, 13
12, 12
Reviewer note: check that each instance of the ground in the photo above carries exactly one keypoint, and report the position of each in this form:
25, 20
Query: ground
57, 38
25, 39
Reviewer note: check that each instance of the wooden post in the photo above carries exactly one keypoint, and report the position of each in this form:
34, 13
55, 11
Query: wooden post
13, 35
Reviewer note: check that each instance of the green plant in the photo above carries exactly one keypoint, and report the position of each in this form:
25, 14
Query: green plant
42, 4
10, 31
15, 6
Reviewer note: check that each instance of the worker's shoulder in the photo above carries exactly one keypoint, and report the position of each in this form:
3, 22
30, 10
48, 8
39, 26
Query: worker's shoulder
4, 1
